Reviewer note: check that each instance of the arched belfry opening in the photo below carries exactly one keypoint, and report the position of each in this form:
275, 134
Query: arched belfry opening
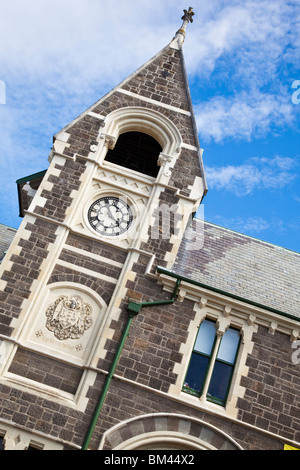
137, 151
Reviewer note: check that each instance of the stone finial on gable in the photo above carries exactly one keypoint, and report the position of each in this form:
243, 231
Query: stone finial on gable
180, 34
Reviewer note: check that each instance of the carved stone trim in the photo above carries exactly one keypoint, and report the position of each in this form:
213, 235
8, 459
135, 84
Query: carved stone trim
109, 140
68, 317
163, 159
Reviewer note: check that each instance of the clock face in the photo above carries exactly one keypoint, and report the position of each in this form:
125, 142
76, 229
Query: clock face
110, 216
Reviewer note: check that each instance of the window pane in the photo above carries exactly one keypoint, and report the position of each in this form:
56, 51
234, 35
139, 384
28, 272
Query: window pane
1, 443
220, 381
196, 372
206, 337
228, 346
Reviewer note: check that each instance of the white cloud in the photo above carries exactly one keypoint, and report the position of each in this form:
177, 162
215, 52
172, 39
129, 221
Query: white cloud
251, 224
258, 173
57, 58
243, 116
72, 40
243, 50
244, 33
257, 226
82, 42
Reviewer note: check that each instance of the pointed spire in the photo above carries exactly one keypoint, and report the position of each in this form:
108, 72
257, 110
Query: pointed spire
187, 18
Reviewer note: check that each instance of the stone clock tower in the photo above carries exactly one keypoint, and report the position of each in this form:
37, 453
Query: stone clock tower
123, 181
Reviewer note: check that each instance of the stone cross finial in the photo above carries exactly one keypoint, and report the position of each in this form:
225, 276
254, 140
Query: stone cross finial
188, 15
187, 18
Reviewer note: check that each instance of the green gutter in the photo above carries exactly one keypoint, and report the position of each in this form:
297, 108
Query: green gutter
227, 294
31, 177
20, 181
134, 308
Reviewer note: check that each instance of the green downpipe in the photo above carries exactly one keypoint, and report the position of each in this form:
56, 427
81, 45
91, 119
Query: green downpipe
136, 306
133, 308
107, 382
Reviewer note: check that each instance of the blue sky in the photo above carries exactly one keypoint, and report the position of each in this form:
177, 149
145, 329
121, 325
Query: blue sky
57, 58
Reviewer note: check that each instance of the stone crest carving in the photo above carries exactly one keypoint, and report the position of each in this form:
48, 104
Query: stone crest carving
68, 318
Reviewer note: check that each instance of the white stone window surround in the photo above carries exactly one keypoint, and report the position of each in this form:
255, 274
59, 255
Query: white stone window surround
221, 328
245, 347
228, 313
142, 189
147, 121
15, 438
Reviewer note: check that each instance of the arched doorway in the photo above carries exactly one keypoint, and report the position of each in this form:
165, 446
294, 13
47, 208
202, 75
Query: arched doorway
166, 431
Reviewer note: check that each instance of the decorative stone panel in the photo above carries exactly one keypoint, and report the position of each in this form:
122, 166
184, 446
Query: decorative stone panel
65, 322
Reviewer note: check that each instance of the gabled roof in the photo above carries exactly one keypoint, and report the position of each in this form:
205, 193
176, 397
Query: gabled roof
27, 187
241, 266
161, 83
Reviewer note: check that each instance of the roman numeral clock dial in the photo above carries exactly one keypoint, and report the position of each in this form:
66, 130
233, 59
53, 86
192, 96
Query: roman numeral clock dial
110, 216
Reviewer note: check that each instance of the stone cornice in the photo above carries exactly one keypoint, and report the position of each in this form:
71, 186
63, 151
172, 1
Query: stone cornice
235, 307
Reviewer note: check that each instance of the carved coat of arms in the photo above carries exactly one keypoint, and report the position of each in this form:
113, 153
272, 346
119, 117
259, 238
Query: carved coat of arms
68, 317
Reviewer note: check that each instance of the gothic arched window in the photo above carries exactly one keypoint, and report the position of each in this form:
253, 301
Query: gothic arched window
136, 151
215, 351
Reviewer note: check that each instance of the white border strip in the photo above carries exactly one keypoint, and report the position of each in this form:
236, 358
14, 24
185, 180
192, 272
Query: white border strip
157, 103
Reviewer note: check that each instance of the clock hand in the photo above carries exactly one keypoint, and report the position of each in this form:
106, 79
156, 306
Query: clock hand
114, 214
104, 216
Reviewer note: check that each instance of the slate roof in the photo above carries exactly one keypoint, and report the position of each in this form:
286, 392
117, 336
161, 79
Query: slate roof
6, 237
241, 266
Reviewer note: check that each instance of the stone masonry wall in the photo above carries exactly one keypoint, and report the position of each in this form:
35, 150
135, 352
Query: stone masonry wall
25, 269
272, 386
125, 401
152, 348
45, 370
162, 80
